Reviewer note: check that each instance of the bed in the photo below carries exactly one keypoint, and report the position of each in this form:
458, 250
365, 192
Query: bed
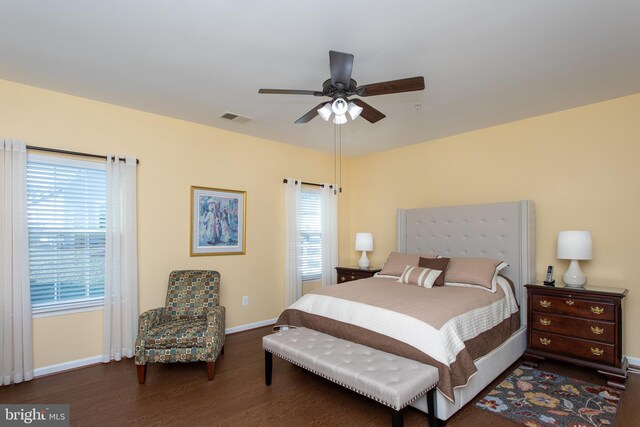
475, 343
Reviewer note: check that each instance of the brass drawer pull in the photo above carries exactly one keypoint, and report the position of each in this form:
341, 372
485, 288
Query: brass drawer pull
569, 302
597, 310
546, 304
547, 341
597, 351
596, 330
546, 322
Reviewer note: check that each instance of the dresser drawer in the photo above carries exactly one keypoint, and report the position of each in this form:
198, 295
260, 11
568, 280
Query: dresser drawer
574, 327
574, 307
586, 350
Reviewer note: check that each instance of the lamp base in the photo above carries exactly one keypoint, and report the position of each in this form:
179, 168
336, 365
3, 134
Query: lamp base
364, 261
574, 277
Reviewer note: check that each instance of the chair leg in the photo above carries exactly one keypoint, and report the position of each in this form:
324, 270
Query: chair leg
211, 370
142, 373
222, 350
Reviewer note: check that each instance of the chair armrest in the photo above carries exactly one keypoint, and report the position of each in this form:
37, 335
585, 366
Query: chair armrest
215, 331
151, 318
215, 320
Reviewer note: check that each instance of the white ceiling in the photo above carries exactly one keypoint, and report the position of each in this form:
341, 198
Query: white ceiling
485, 62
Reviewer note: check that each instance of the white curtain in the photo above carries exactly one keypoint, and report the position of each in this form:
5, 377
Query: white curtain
292, 274
121, 261
329, 234
16, 347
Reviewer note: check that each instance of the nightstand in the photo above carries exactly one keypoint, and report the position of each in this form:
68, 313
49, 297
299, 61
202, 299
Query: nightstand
347, 274
582, 326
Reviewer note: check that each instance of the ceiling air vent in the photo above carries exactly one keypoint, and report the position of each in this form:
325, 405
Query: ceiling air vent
235, 117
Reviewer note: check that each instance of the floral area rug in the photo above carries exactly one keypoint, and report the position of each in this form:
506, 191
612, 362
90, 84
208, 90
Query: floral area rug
536, 398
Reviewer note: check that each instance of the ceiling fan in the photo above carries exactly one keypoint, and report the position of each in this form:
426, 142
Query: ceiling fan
341, 86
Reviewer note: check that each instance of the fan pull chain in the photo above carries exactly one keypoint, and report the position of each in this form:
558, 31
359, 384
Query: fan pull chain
335, 158
340, 155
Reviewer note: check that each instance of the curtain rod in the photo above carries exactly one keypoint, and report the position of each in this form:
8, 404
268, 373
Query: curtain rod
73, 153
284, 181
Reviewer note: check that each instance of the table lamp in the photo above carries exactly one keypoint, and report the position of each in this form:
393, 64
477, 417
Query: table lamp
574, 245
364, 243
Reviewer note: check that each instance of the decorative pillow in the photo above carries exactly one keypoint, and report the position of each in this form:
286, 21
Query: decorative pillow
397, 261
420, 276
480, 272
439, 263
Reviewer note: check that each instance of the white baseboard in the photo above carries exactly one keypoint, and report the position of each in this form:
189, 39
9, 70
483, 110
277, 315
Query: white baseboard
635, 361
52, 369
250, 326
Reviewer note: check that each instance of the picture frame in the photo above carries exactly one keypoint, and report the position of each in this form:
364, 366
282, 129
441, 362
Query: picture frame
218, 221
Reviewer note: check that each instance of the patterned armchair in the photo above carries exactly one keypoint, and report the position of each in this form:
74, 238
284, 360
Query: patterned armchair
189, 328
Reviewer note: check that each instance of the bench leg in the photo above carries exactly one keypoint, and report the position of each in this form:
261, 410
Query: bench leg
431, 407
397, 420
268, 367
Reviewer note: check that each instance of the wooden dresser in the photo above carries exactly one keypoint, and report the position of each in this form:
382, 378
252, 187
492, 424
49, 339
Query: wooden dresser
347, 274
582, 326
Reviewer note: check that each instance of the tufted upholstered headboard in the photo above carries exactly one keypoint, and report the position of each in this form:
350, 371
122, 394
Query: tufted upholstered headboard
504, 231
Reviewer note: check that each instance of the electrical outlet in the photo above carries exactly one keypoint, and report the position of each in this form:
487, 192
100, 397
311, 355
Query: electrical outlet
245, 300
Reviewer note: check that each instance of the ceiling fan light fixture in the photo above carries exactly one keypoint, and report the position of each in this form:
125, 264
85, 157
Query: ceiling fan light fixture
354, 110
339, 106
325, 111
340, 119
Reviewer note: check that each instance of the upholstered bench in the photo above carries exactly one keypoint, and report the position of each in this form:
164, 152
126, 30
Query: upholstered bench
386, 378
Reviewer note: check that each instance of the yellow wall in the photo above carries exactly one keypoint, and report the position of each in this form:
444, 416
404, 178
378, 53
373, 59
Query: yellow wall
173, 156
581, 167
578, 166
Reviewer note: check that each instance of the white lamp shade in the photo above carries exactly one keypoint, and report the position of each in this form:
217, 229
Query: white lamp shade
339, 119
339, 106
354, 110
574, 245
325, 111
364, 242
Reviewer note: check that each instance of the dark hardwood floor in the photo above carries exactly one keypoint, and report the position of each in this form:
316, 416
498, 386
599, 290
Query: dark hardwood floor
179, 394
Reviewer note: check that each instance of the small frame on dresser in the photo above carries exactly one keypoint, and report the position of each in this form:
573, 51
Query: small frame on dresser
218, 223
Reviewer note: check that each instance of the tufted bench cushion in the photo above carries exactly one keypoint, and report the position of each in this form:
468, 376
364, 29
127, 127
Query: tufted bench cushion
389, 379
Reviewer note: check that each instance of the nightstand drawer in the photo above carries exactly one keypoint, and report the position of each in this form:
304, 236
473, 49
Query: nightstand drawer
583, 349
574, 307
347, 277
347, 274
578, 328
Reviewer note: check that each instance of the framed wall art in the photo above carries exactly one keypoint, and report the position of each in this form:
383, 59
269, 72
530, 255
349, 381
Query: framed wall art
218, 221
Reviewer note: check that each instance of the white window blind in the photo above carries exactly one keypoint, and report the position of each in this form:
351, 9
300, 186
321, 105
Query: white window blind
66, 216
310, 224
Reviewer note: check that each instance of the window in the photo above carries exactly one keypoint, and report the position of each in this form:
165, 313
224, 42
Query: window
310, 224
66, 216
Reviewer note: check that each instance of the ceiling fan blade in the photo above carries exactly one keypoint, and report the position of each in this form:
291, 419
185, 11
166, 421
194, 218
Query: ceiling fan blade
368, 112
291, 92
394, 86
310, 115
341, 65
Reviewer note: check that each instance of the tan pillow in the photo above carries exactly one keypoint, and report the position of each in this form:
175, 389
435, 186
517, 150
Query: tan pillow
419, 276
435, 264
397, 261
474, 271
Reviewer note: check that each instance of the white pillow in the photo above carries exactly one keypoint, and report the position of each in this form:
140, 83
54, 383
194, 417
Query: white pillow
420, 276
